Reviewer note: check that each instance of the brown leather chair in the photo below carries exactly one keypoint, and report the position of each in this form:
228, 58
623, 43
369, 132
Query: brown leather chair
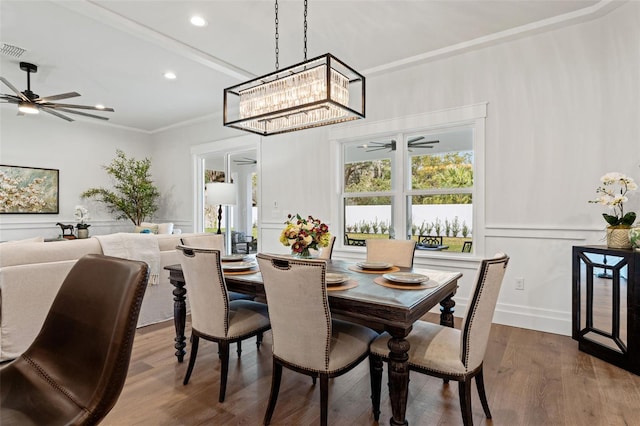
74, 371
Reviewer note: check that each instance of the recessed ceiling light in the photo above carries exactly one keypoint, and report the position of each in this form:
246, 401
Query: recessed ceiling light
100, 106
198, 21
169, 75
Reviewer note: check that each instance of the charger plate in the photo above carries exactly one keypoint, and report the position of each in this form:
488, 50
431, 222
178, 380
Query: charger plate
386, 283
344, 286
247, 272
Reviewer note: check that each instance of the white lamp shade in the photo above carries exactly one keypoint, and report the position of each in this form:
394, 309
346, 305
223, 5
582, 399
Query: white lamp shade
218, 193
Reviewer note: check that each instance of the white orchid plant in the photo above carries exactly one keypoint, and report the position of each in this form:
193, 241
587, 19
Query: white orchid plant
613, 194
82, 215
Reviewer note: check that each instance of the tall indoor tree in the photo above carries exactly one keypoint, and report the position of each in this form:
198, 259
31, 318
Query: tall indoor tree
134, 195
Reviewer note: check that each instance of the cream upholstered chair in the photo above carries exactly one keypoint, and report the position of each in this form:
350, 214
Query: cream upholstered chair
397, 252
208, 241
450, 353
213, 241
214, 316
305, 338
327, 251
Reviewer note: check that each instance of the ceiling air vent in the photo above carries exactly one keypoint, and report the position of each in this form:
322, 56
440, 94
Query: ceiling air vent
10, 50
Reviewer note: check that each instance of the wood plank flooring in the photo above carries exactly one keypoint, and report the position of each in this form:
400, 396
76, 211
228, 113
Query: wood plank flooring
532, 378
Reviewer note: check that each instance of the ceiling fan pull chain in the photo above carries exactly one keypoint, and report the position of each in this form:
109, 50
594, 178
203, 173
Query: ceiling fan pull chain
277, 36
305, 30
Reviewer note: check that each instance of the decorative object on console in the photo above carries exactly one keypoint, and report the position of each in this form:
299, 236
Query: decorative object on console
304, 234
613, 194
28, 190
313, 93
31, 103
64, 228
220, 194
82, 215
134, 195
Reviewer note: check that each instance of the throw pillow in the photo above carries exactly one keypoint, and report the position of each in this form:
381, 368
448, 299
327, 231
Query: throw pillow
163, 228
146, 229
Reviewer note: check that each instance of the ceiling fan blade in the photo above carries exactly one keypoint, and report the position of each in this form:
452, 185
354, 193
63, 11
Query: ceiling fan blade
56, 97
52, 105
69, 111
57, 114
10, 98
12, 87
425, 144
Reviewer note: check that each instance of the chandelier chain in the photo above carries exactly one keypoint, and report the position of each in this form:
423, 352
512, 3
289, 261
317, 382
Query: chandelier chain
305, 30
277, 37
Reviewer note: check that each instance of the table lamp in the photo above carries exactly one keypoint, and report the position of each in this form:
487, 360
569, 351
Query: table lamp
220, 194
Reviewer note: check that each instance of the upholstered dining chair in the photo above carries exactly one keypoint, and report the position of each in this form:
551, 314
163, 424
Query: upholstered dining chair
397, 252
74, 371
449, 353
208, 241
213, 241
305, 338
327, 251
214, 316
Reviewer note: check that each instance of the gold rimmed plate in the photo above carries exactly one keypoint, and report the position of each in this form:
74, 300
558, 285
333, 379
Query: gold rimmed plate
233, 257
374, 266
335, 279
238, 266
406, 277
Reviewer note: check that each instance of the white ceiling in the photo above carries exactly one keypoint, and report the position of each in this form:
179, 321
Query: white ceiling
116, 52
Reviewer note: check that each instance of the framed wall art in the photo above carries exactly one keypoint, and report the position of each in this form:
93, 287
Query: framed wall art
28, 190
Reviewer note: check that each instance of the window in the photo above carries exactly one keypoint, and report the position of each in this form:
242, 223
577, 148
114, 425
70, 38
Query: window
421, 184
440, 196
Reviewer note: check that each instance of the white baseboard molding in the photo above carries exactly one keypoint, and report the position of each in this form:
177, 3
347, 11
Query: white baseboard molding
544, 320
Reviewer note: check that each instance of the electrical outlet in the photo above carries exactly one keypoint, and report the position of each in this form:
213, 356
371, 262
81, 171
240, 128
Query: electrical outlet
519, 283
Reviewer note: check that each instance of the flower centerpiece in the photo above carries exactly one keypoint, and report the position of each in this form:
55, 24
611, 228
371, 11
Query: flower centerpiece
304, 234
82, 215
613, 194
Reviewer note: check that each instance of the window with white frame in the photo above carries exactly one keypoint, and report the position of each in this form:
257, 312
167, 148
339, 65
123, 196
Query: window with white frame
411, 185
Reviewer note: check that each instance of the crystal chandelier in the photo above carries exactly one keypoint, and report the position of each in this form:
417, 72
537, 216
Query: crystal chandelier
313, 93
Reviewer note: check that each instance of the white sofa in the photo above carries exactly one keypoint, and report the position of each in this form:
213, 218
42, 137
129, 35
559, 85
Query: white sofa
31, 274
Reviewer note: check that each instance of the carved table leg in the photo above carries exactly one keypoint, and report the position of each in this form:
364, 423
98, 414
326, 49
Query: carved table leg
179, 317
446, 311
398, 379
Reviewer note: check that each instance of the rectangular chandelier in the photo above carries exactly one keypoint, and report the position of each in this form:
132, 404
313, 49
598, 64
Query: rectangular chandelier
317, 92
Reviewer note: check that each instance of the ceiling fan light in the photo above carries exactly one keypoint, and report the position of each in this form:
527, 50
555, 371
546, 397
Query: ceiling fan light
27, 108
198, 21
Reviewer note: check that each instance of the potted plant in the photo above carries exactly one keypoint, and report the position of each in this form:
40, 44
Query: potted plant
613, 194
134, 196
82, 215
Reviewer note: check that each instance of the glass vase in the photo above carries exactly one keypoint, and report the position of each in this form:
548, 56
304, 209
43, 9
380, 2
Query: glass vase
304, 254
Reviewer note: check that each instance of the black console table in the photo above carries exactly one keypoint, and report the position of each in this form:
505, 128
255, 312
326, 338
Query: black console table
606, 304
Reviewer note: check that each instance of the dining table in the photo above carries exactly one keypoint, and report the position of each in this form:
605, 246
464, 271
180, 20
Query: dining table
366, 298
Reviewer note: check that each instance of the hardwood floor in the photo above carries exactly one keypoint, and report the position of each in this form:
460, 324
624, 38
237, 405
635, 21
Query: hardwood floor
532, 378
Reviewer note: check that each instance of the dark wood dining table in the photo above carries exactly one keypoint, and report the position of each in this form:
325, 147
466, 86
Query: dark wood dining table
383, 308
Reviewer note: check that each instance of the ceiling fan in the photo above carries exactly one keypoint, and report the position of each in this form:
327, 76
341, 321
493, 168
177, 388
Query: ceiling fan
416, 142
31, 103
245, 161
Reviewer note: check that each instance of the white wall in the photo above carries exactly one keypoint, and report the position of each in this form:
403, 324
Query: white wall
78, 149
563, 109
